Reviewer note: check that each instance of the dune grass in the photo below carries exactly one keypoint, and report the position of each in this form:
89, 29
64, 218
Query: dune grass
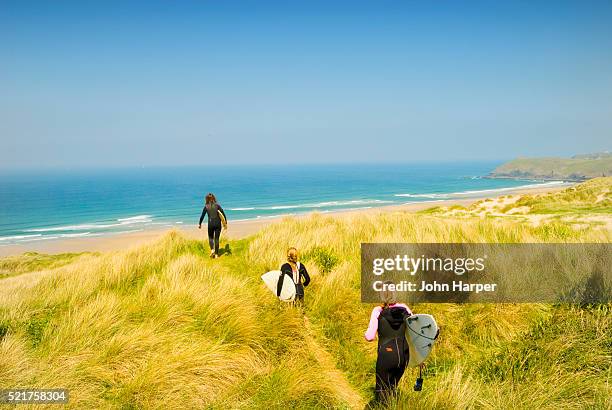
164, 326
591, 197
33, 261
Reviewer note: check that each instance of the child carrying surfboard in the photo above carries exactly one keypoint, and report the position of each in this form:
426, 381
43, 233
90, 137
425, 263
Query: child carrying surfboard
404, 340
389, 322
295, 271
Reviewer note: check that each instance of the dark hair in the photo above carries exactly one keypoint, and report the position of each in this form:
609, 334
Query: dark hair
210, 198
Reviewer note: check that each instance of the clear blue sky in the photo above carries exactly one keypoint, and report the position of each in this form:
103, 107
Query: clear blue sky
211, 82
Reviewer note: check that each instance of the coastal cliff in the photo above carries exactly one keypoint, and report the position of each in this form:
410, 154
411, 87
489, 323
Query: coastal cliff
577, 168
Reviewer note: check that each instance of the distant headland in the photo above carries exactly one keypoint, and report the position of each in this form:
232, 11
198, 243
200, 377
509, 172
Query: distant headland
577, 168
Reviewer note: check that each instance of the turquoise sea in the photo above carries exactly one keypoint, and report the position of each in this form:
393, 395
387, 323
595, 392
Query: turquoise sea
48, 205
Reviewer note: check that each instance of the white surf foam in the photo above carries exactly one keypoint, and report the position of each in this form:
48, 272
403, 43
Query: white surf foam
75, 235
315, 205
136, 219
41, 238
424, 195
129, 231
140, 219
17, 237
272, 216
479, 192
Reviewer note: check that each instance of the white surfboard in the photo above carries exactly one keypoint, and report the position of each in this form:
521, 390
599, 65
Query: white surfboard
223, 220
421, 333
271, 281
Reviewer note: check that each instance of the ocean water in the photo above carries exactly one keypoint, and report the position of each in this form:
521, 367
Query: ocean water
50, 205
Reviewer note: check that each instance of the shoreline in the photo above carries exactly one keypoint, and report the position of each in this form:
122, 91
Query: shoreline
542, 178
237, 230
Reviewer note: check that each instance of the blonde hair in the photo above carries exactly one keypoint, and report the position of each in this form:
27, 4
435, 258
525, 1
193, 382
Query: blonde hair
289, 252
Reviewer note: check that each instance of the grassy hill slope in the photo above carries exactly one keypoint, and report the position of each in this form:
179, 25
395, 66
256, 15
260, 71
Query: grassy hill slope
576, 168
584, 204
164, 326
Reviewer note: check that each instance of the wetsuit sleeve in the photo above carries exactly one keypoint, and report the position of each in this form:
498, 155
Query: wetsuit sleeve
222, 211
281, 279
203, 215
306, 275
279, 285
370, 334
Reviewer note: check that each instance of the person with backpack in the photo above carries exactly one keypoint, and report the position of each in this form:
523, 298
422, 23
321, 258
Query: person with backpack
295, 271
216, 219
388, 321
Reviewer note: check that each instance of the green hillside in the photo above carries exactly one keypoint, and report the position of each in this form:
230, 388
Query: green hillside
163, 326
577, 168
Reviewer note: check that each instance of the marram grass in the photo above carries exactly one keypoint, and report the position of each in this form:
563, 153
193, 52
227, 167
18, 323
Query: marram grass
162, 326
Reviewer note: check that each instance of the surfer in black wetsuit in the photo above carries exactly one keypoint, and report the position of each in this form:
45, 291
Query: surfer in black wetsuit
212, 209
388, 321
295, 271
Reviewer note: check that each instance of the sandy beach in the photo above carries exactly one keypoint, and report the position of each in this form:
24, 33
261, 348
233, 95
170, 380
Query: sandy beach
237, 230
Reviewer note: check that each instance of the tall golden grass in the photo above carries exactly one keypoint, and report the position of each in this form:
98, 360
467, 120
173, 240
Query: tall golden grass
164, 326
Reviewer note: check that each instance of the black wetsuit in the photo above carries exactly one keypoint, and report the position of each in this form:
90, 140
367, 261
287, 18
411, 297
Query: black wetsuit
214, 224
393, 353
299, 287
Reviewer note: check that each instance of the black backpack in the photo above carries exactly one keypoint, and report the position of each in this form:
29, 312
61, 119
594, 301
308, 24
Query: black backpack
392, 333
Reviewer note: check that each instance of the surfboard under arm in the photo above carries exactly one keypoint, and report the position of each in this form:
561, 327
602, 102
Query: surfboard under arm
271, 278
223, 220
421, 333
